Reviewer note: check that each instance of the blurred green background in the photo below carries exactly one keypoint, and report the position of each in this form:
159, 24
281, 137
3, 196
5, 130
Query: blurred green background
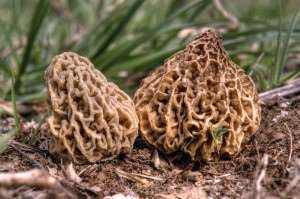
126, 39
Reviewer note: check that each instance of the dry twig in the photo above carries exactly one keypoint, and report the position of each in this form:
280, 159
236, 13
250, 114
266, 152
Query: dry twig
263, 164
88, 169
7, 108
131, 177
33, 177
24, 147
258, 60
147, 176
36, 178
295, 180
233, 20
215, 180
256, 148
291, 142
291, 89
34, 162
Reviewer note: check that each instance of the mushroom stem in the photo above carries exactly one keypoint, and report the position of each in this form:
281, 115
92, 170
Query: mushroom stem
155, 158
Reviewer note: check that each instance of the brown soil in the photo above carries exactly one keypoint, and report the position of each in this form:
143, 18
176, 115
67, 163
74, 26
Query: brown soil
274, 149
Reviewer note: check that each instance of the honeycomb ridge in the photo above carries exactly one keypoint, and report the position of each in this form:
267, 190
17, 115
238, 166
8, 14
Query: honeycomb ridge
90, 118
196, 91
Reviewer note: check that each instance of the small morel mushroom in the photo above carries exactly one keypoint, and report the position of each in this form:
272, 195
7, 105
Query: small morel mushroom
90, 118
198, 99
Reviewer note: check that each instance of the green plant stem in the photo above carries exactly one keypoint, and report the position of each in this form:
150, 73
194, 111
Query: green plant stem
37, 130
286, 43
13, 97
275, 70
119, 28
124, 52
5, 138
36, 22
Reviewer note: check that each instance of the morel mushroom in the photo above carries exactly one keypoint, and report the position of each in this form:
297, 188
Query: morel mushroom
90, 118
198, 95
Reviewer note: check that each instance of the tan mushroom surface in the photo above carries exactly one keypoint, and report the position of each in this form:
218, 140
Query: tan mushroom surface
90, 118
198, 90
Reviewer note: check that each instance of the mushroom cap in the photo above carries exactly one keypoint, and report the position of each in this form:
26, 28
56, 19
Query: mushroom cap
196, 91
90, 118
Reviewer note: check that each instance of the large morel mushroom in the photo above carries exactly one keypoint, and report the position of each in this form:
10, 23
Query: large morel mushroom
90, 118
198, 91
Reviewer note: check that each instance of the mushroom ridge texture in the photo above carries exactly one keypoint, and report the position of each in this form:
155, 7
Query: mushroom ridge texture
195, 92
90, 118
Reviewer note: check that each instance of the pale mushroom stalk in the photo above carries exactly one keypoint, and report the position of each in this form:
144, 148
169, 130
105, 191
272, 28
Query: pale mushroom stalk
155, 159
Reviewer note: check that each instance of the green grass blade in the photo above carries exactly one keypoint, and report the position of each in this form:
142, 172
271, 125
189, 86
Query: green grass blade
36, 22
33, 96
249, 32
13, 97
250, 40
7, 36
143, 62
106, 55
94, 35
200, 7
5, 68
173, 6
5, 138
179, 12
198, 10
132, 10
286, 42
148, 35
275, 70
37, 130
292, 75
100, 6
261, 80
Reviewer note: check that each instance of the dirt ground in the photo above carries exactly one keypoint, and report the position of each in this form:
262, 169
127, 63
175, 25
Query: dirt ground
268, 167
